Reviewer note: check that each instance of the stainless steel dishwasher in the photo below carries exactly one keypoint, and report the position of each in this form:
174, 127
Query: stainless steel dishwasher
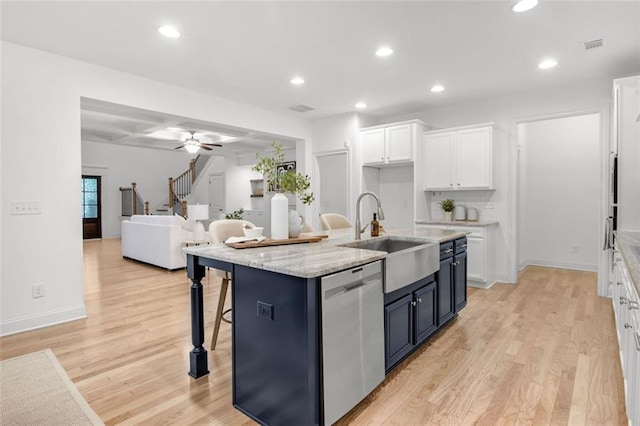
352, 337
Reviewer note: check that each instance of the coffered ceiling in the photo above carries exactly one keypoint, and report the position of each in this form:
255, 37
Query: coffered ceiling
105, 122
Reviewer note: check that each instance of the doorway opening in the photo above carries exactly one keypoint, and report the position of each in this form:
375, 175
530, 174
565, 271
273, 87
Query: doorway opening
558, 192
91, 207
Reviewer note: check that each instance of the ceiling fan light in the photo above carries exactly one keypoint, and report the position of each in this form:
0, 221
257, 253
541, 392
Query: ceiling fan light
191, 148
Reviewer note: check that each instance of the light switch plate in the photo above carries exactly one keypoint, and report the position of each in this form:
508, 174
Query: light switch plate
26, 207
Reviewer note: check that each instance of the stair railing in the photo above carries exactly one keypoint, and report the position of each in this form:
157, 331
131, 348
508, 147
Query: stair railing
180, 186
131, 201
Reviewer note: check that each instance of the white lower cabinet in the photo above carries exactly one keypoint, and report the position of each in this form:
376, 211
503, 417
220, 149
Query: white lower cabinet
626, 306
480, 243
254, 216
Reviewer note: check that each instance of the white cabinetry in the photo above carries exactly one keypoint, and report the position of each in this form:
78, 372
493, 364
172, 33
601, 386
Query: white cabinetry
389, 144
627, 313
480, 247
459, 159
254, 216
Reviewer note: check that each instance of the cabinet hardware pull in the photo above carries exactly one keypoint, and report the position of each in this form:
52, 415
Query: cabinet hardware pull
353, 271
627, 325
632, 304
413, 303
637, 336
419, 300
623, 300
449, 251
463, 246
619, 283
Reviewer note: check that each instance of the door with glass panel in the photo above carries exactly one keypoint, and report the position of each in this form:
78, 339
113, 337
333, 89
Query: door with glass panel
91, 222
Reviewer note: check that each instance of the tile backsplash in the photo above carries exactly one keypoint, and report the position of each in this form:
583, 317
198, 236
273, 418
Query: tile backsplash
481, 200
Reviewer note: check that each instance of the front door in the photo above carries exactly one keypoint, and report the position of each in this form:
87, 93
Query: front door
91, 222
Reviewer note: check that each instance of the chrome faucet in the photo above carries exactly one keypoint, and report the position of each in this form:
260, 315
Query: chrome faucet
359, 231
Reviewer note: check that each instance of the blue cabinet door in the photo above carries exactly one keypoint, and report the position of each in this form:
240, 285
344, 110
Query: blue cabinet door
398, 318
426, 312
444, 282
460, 280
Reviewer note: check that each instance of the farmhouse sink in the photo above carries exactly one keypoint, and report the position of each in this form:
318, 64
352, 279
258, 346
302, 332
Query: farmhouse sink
408, 259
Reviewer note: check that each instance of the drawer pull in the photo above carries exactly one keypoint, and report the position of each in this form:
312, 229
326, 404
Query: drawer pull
623, 300
632, 304
414, 303
619, 283
448, 251
463, 246
627, 325
637, 336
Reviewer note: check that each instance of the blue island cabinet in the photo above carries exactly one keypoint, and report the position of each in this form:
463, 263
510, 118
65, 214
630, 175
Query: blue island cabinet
416, 312
276, 347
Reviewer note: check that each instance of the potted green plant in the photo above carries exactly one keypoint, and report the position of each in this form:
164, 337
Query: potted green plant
447, 205
282, 181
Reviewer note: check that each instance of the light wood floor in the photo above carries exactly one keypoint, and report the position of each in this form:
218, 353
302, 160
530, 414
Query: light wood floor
541, 352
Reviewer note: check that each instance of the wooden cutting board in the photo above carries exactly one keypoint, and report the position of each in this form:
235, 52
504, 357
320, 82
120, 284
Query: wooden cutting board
270, 243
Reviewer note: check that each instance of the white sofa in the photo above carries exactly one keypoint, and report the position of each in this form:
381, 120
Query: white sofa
157, 240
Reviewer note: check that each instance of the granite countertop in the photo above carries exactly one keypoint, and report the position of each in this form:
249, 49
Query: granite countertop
480, 223
316, 259
625, 242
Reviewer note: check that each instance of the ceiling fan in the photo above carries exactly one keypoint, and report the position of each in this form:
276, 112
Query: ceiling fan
192, 145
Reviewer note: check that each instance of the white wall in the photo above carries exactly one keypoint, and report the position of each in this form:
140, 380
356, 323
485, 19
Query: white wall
505, 113
560, 182
337, 133
121, 165
396, 194
41, 133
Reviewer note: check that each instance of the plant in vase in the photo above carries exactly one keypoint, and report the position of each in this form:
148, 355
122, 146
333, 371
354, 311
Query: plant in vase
447, 205
281, 180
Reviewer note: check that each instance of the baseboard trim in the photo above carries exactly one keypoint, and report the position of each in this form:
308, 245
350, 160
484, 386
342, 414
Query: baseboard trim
562, 265
480, 284
47, 319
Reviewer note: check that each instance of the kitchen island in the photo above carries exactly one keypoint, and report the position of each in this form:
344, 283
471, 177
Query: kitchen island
277, 336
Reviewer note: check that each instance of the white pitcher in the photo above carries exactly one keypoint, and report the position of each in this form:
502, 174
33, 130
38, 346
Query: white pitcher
295, 224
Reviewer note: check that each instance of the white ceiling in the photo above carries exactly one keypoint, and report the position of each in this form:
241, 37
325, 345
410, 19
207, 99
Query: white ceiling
248, 51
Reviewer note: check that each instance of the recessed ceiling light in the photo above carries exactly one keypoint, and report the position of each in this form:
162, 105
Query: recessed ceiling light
297, 81
524, 5
169, 31
547, 63
437, 88
384, 51
361, 105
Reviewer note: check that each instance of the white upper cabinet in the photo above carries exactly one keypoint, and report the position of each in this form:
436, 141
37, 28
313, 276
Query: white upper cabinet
389, 144
459, 159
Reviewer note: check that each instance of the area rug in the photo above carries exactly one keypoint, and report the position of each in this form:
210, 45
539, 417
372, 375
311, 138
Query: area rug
35, 390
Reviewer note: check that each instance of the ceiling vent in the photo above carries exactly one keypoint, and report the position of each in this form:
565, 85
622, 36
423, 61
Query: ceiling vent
301, 108
592, 44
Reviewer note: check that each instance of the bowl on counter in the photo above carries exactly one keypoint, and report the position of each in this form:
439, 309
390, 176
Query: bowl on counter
253, 232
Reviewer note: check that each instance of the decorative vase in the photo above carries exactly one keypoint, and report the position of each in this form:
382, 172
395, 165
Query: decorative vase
279, 217
295, 224
448, 216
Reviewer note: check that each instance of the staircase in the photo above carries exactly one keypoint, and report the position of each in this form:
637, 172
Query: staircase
179, 190
180, 187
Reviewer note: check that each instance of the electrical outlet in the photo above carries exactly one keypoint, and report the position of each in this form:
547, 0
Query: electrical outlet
37, 290
265, 310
